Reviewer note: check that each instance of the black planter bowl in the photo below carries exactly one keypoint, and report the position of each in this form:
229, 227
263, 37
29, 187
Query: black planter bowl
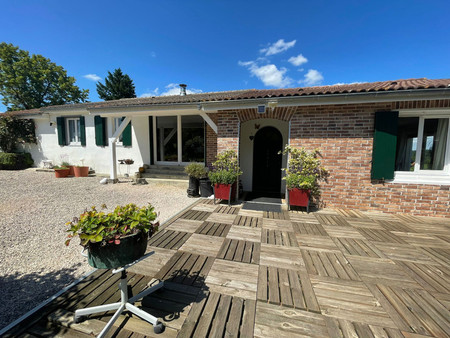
113, 256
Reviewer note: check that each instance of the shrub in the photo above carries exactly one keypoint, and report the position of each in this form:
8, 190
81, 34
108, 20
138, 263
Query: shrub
196, 170
96, 226
15, 161
14, 131
226, 169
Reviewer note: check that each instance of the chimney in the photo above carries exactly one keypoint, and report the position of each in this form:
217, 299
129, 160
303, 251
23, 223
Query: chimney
182, 89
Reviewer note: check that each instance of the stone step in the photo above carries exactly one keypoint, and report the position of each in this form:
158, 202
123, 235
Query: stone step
174, 168
166, 175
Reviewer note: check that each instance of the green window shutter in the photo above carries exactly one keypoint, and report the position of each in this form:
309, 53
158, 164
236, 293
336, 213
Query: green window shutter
126, 136
61, 128
82, 131
384, 145
100, 131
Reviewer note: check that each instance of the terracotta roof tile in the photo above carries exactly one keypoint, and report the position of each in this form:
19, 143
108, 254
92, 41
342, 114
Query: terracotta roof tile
397, 85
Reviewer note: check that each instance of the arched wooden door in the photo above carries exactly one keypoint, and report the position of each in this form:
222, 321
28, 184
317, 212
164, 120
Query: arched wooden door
267, 143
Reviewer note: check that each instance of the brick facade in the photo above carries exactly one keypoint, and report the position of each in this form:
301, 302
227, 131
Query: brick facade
344, 135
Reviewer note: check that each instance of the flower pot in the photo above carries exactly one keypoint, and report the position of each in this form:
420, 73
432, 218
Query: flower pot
60, 173
299, 197
81, 171
225, 192
113, 256
206, 188
71, 172
193, 187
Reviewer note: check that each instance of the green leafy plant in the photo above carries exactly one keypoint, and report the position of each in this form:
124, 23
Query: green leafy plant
61, 167
226, 168
15, 161
196, 170
14, 131
65, 164
97, 226
304, 170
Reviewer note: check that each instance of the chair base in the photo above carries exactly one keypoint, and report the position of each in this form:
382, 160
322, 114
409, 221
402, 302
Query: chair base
124, 304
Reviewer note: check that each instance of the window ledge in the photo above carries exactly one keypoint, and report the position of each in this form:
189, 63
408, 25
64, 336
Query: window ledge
422, 178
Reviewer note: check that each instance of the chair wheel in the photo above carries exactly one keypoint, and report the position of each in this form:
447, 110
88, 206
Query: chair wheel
158, 328
79, 319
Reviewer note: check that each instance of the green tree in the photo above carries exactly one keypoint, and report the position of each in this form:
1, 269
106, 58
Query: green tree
28, 82
14, 131
117, 86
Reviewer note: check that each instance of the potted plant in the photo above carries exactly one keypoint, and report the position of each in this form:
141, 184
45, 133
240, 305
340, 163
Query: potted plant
81, 171
303, 175
196, 171
70, 166
224, 175
61, 171
114, 239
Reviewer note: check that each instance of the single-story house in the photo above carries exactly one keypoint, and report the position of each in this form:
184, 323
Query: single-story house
385, 144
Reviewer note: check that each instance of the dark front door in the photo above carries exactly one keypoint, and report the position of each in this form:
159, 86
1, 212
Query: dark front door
266, 160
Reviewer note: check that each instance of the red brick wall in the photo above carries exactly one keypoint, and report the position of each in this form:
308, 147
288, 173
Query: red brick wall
228, 131
343, 133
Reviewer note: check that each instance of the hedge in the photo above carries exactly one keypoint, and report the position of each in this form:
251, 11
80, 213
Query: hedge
15, 161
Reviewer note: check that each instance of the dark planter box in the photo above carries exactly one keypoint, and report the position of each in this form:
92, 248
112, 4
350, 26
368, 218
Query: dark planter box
113, 256
206, 188
299, 198
193, 187
225, 192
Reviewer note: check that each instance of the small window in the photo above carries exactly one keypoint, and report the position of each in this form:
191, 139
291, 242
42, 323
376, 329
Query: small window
73, 131
116, 125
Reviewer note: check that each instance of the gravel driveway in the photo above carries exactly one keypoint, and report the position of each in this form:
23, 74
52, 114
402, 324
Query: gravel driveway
34, 207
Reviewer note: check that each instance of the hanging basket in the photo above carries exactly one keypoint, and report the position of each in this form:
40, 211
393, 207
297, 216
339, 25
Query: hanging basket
113, 256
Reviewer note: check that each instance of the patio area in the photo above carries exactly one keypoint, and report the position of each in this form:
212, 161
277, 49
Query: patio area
232, 271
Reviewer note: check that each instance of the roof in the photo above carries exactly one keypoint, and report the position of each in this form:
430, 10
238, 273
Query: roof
366, 87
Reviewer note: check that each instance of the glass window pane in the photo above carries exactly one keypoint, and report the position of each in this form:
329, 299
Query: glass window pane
72, 137
406, 143
78, 133
193, 138
434, 144
166, 138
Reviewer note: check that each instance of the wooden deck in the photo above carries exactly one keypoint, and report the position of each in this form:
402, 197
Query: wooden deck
235, 272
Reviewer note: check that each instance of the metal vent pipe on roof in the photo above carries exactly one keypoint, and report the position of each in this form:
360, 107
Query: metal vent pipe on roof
182, 89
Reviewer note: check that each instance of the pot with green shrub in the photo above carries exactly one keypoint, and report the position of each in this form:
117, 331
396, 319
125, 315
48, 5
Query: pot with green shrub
224, 176
61, 172
196, 171
303, 175
114, 239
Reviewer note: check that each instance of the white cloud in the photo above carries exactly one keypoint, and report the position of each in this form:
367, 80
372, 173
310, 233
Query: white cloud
269, 74
92, 77
170, 89
344, 83
153, 54
278, 47
312, 77
298, 60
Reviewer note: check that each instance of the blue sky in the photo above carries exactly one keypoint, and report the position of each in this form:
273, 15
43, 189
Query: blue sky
230, 45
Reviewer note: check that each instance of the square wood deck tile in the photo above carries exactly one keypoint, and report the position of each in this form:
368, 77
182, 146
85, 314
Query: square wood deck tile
195, 215
302, 217
320, 243
278, 237
281, 257
290, 288
221, 218
205, 207
245, 233
250, 213
349, 300
309, 229
277, 224
326, 219
404, 252
169, 239
186, 225
346, 232
423, 240
240, 251
279, 321
383, 271
203, 245
218, 315
357, 247
233, 278
213, 229
248, 221
153, 263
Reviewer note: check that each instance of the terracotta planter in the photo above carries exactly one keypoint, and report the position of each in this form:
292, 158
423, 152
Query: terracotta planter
60, 173
299, 198
81, 171
225, 192
113, 256
71, 172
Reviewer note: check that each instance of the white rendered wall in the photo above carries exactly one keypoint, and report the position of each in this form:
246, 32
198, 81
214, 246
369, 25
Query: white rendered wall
246, 148
98, 158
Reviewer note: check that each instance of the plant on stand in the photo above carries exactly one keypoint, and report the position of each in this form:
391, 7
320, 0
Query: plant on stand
303, 175
114, 239
224, 175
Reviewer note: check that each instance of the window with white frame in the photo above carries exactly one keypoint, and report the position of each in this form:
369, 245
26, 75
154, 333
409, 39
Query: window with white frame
116, 125
73, 130
423, 149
